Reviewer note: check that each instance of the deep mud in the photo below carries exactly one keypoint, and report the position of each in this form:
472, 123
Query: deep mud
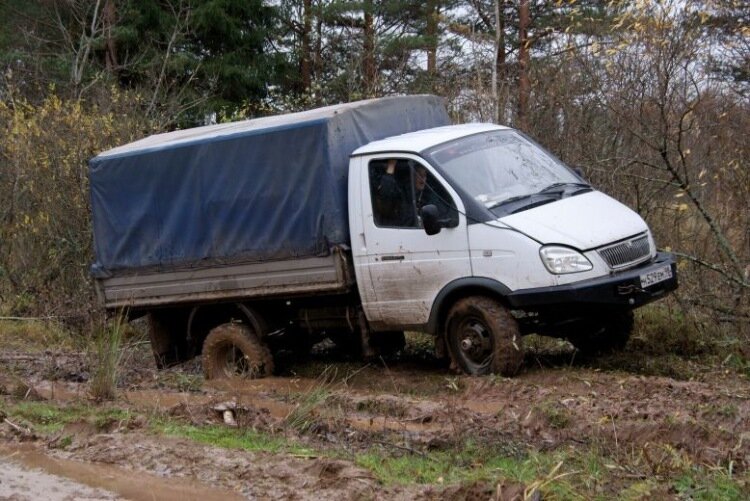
411, 407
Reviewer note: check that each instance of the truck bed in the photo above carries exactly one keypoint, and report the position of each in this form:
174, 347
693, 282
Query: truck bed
263, 190
324, 275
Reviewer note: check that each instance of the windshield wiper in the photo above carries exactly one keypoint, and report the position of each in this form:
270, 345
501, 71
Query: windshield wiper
511, 199
553, 189
555, 186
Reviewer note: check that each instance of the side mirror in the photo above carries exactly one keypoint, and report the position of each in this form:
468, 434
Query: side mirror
430, 220
579, 172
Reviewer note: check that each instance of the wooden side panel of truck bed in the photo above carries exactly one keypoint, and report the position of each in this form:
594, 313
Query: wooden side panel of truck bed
327, 275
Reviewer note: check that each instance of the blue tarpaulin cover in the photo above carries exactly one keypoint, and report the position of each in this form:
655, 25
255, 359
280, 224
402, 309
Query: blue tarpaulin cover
265, 189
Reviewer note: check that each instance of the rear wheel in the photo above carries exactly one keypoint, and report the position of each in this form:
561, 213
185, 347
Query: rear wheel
603, 334
234, 350
483, 337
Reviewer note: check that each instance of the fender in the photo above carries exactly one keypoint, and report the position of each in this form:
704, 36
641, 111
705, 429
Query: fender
249, 315
462, 287
254, 319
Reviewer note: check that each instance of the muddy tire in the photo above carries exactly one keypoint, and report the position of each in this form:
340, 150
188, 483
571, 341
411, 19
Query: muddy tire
603, 334
233, 350
483, 337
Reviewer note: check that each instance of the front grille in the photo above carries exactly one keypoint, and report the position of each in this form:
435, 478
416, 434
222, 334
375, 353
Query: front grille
627, 253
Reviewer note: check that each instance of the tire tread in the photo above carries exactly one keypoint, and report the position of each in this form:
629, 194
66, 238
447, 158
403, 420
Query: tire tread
243, 338
507, 355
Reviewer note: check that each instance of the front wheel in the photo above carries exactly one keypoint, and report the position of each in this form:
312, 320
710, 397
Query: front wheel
233, 349
483, 337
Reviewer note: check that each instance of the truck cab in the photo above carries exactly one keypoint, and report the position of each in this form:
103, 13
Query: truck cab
507, 225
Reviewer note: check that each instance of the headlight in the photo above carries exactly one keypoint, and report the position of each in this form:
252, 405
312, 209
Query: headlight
561, 260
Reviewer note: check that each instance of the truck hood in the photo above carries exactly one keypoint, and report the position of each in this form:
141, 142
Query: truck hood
583, 221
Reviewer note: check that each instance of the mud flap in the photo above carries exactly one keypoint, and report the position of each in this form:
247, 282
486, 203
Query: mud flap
368, 352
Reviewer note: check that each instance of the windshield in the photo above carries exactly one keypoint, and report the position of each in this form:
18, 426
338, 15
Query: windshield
497, 166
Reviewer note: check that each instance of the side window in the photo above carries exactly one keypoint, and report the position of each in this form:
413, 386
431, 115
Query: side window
429, 191
392, 194
400, 188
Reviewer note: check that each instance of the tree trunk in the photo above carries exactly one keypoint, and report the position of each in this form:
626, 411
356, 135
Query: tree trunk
109, 19
369, 71
524, 86
306, 56
318, 52
433, 11
498, 72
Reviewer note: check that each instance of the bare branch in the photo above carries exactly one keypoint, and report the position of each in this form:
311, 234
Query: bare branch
172, 39
738, 281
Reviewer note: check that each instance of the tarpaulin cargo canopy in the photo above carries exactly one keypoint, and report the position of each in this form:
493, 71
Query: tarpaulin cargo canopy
265, 189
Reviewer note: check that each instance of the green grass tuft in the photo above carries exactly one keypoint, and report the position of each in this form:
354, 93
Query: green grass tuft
108, 354
49, 418
231, 438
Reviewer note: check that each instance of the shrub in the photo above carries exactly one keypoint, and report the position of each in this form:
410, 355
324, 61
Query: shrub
45, 232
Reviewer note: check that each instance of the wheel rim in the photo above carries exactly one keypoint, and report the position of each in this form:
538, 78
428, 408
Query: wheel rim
473, 343
235, 363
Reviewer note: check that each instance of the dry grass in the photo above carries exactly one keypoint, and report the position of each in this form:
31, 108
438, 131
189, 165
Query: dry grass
306, 413
107, 357
34, 336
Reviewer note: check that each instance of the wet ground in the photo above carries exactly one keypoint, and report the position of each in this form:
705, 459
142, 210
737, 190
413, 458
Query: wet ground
334, 412
23, 481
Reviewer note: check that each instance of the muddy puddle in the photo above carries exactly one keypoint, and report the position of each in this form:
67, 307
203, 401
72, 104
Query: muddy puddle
360, 413
21, 483
53, 477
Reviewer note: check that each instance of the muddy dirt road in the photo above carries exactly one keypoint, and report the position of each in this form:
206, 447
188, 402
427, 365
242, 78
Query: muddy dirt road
406, 429
23, 482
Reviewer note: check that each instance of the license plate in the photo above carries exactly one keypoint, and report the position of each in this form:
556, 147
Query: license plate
656, 276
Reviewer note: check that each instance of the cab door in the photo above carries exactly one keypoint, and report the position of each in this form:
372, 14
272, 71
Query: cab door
401, 269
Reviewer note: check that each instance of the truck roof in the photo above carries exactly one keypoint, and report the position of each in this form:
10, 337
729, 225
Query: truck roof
260, 125
417, 142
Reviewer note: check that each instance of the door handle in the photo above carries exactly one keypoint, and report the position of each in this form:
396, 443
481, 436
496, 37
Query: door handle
392, 258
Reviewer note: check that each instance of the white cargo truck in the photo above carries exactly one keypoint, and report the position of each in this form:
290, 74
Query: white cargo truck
357, 222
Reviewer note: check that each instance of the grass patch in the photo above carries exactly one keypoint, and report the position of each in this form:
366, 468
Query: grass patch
305, 414
552, 473
36, 336
46, 418
181, 381
697, 484
672, 366
572, 473
667, 342
231, 438
663, 330
419, 346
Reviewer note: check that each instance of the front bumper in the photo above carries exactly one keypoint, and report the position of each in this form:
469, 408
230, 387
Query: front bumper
622, 289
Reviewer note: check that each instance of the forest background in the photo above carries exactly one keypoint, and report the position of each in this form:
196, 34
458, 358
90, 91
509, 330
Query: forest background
649, 98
